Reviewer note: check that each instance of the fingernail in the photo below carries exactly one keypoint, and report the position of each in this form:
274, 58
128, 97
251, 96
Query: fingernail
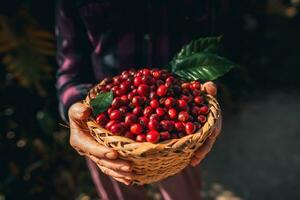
195, 162
127, 182
111, 155
126, 168
192, 162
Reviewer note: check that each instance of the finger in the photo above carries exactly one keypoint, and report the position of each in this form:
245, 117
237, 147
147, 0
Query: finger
79, 111
195, 161
86, 143
116, 174
125, 181
210, 88
79, 152
119, 165
205, 148
217, 129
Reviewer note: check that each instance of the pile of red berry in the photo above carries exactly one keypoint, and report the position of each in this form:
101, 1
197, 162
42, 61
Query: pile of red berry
153, 105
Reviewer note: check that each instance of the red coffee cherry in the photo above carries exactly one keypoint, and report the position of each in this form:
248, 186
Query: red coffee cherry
146, 72
109, 110
117, 102
190, 128
124, 98
166, 125
130, 119
144, 121
198, 100
153, 125
153, 95
123, 109
156, 74
152, 136
120, 92
162, 90
125, 85
181, 104
102, 119
201, 119
195, 110
169, 102
172, 113
179, 126
160, 111
147, 80
186, 98
154, 103
196, 92
129, 135
183, 116
185, 85
154, 117
140, 138
117, 80
137, 111
137, 80
136, 129
117, 129
115, 115
195, 85
143, 90
137, 101
109, 124
170, 79
165, 135
148, 111
130, 96
204, 109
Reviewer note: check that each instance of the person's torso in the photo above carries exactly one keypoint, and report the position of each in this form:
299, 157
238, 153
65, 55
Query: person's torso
139, 33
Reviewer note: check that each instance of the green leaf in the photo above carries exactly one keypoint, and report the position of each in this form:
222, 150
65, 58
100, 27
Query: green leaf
203, 66
101, 102
207, 44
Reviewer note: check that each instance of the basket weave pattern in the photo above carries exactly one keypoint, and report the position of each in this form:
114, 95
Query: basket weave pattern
154, 162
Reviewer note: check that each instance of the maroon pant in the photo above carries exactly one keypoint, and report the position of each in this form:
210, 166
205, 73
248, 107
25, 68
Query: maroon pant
185, 185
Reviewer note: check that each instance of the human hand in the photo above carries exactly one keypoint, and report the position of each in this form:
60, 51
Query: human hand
200, 154
81, 140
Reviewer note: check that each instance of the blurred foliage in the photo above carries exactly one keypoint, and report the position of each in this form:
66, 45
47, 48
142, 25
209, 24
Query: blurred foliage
25, 48
35, 159
36, 162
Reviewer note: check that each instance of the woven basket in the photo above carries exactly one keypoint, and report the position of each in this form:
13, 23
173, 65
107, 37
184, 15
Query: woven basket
154, 162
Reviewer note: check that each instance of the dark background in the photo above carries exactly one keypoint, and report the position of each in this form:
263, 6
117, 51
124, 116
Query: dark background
256, 157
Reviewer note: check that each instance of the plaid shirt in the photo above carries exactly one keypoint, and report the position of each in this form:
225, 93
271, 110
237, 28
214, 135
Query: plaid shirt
99, 38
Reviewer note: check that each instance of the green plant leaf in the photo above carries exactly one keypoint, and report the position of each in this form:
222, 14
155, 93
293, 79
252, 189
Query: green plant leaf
203, 66
207, 44
101, 102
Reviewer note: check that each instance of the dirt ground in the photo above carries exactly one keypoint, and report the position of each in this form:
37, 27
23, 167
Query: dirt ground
258, 154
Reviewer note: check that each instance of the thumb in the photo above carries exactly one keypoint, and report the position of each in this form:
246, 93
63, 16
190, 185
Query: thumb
79, 112
210, 88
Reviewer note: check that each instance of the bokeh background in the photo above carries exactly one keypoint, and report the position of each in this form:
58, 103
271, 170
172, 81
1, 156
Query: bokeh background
256, 157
